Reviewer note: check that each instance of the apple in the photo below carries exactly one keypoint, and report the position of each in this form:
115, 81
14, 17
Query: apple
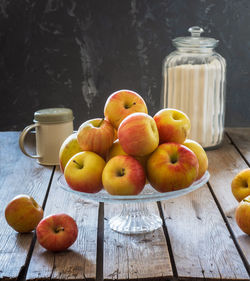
173, 125
241, 185
57, 232
242, 215
115, 134
200, 154
172, 166
23, 213
69, 148
123, 175
122, 103
143, 160
96, 135
138, 134
115, 149
83, 172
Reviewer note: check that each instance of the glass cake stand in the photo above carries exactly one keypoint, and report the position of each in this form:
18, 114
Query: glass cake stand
135, 218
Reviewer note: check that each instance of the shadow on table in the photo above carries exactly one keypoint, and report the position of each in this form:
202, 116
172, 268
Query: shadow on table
67, 263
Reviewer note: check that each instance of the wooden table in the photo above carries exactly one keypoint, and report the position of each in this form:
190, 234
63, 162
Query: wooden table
199, 240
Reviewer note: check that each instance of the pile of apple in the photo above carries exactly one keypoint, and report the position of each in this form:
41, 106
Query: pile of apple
56, 232
128, 146
119, 152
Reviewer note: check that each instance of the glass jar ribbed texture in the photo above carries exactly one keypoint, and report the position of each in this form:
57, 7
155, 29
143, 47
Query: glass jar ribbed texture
194, 82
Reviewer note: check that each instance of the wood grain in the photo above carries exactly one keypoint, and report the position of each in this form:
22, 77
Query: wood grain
79, 261
201, 243
224, 164
127, 257
18, 175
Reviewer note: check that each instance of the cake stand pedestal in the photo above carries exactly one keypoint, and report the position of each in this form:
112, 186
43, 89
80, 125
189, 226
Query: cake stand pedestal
135, 217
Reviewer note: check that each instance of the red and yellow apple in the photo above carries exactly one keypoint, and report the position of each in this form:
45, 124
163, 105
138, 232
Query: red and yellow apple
138, 134
172, 166
242, 215
115, 149
115, 134
57, 232
83, 172
69, 148
23, 213
122, 103
173, 125
241, 185
200, 154
123, 175
96, 135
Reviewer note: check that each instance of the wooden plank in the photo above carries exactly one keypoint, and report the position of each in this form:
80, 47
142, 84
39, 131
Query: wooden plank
18, 175
79, 261
241, 138
143, 256
224, 164
200, 241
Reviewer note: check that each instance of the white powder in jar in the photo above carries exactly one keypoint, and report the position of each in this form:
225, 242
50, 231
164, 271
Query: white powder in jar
198, 90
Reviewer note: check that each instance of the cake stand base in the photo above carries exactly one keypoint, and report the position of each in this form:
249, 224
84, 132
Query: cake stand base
135, 218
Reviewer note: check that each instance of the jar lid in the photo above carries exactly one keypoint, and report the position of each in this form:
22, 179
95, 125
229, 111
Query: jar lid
53, 115
195, 41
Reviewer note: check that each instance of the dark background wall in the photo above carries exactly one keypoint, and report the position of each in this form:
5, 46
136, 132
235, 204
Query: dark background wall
75, 53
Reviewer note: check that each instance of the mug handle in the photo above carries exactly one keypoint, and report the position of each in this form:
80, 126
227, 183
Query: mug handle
22, 138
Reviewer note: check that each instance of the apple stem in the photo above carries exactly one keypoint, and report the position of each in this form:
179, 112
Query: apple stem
121, 172
79, 165
127, 106
174, 158
59, 228
134, 103
99, 125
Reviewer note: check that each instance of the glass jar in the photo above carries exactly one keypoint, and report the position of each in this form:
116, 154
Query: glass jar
194, 82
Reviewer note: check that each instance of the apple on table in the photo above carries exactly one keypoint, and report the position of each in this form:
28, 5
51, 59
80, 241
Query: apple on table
242, 215
240, 185
23, 213
57, 232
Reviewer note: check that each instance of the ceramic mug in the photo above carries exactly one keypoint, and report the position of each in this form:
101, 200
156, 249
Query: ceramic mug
52, 127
